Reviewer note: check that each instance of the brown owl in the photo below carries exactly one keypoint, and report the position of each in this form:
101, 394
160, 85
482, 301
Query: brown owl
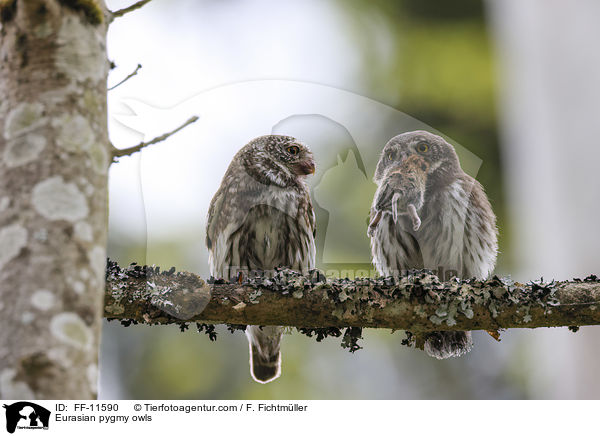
454, 230
261, 218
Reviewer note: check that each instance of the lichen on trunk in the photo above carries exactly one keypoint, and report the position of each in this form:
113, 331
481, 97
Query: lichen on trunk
54, 158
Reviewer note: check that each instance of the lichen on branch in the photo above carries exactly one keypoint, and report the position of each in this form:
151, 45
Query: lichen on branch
417, 302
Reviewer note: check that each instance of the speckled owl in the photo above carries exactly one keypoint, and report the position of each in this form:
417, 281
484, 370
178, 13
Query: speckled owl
427, 213
261, 218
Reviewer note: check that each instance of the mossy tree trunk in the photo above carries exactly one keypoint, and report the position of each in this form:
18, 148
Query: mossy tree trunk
54, 158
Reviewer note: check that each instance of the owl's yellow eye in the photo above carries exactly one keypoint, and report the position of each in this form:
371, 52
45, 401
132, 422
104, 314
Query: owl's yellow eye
293, 150
390, 156
422, 147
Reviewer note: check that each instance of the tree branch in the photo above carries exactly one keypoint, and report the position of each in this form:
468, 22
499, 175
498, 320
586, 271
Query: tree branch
130, 150
419, 302
133, 7
139, 66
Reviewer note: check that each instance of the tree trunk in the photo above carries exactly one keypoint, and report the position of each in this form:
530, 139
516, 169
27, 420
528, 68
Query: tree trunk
54, 158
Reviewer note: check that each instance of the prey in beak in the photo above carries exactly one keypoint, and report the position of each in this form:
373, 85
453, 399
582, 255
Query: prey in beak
401, 192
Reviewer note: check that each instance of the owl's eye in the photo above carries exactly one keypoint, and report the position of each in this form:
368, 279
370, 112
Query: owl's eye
293, 150
390, 156
422, 147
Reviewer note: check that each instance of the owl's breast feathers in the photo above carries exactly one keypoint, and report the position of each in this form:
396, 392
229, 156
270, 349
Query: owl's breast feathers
458, 233
253, 226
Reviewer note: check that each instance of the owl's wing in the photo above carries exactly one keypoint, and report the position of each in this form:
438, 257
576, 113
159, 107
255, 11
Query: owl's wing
228, 208
212, 229
225, 215
310, 217
214, 208
480, 237
311, 232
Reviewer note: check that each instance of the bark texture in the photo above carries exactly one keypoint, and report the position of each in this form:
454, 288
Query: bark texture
416, 303
54, 158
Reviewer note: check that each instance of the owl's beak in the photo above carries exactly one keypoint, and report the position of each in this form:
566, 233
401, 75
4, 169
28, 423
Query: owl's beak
305, 167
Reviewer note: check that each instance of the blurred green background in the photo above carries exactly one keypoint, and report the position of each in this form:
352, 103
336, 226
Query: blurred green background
433, 60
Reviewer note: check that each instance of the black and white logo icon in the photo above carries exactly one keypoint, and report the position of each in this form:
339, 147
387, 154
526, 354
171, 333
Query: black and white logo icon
26, 415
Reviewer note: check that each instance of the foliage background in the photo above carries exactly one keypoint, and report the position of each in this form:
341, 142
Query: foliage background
435, 61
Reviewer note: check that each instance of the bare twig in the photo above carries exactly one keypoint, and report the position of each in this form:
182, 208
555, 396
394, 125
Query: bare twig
133, 7
417, 303
139, 66
130, 150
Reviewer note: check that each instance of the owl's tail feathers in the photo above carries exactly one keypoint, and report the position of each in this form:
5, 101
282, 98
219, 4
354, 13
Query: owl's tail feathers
265, 353
443, 345
263, 369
